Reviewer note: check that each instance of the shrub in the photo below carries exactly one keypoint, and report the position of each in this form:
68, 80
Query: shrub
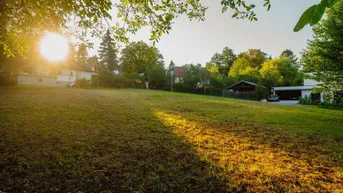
82, 83
261, 92
306, 100
95, 81
210, 90
8, 81
327, 98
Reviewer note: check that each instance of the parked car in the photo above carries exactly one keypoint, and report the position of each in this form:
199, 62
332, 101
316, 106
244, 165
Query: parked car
72, 85
273, 98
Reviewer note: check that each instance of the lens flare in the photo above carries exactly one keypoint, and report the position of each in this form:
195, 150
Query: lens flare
54, 47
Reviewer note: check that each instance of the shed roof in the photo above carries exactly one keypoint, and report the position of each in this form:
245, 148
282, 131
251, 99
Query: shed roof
247, 82
86, 68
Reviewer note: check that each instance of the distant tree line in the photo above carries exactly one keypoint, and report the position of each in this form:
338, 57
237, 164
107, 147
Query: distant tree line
140, 63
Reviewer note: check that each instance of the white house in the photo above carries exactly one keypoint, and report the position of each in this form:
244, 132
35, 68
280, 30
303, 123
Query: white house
70, 75
60, 77
294, 92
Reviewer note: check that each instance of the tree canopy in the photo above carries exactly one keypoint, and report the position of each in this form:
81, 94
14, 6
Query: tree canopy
221, 62
22, 20
139, 57
289, 54
255, 57
283, 71
323, 55
81, 55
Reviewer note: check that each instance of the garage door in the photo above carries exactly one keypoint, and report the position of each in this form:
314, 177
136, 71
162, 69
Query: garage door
289, 94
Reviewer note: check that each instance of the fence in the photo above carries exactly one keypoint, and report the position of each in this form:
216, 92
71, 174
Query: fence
242, 95
30, 80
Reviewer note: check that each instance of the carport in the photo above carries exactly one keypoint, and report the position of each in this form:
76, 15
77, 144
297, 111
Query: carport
292, 92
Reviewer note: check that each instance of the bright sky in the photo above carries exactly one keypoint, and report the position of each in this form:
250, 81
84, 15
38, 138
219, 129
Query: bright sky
196, 42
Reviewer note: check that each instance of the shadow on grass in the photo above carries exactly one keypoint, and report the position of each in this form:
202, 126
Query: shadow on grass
261, 159
72, 146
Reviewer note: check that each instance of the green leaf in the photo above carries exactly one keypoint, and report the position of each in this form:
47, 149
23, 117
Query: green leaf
331, 3
235, 15
305, 18
318, 14
95, 19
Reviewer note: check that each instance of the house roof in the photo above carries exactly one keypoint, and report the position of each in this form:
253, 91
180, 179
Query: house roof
80, 68
284, 88
178, 70
247, 82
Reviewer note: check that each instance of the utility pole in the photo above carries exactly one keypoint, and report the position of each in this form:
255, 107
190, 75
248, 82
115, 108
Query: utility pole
148, 75
171, 80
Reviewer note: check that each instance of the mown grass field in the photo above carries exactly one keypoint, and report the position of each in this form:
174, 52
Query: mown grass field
70, 140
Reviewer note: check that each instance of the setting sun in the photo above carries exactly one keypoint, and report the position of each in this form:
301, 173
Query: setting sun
54, 47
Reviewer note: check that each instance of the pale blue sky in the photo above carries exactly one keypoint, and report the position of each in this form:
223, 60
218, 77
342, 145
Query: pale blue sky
196, 42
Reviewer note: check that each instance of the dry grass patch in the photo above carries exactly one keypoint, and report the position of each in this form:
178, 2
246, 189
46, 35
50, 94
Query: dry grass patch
257, 160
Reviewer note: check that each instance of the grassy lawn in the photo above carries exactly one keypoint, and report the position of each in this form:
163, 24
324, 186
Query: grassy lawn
60, 140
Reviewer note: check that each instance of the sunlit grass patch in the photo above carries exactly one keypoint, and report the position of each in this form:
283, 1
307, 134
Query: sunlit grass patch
251, 166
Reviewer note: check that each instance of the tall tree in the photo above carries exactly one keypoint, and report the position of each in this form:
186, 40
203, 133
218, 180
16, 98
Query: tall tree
281, 71
93, 61
71, 57
171, 66
81, 55
323, 55
221, 63
108, 52
288, 54
255, 57
158, 76
228, 57
139, 57
192, 75
248, 64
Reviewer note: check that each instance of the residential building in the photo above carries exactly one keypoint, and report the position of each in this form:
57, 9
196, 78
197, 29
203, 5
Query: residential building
56, 77
294, 92
178, 71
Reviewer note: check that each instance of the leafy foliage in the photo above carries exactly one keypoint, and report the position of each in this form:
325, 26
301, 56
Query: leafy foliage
82, 83
192, 75
221, 63
158, 77
139, 57
93, 61
81, 55
314, 14
88, 17
288, 54
282, 71
24, 21
247, 66
323, 55
255, 57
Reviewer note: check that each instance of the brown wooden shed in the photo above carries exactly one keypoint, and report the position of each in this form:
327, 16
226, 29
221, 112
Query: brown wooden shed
242, 89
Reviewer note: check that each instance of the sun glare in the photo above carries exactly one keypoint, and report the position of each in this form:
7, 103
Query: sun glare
54, 47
